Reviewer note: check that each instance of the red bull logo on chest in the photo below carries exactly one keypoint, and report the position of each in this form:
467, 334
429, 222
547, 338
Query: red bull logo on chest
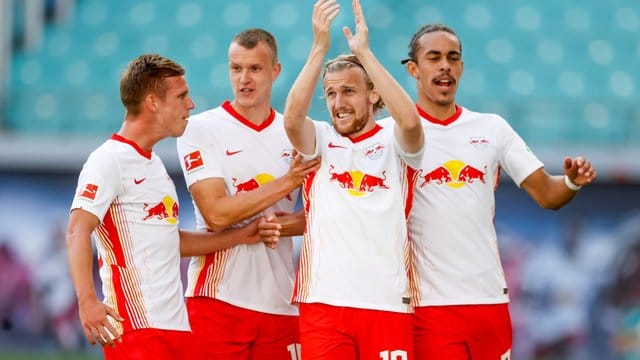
356, 182
453, 173
253, 183
166, 210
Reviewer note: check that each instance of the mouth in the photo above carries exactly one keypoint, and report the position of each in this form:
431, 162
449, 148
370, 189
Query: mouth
444, 81
245, 91
342, 116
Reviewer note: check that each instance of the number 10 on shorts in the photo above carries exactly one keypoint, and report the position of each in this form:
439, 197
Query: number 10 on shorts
294, 351
393, 355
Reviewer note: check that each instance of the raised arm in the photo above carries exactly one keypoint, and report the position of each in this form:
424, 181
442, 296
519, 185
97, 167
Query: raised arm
300, 129
396, 99
553, 192
93, 313
221, 210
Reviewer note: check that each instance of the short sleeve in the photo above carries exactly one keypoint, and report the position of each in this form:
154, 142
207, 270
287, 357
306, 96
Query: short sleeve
196, 152
99, 183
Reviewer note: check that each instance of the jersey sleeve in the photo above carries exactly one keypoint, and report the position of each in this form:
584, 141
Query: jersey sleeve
197, 154
99, 183
516, 158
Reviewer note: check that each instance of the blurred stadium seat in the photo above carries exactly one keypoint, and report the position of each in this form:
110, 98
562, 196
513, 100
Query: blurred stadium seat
561, 72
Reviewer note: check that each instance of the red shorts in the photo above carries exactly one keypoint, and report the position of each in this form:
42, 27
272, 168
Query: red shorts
462, 332
343, 333
145, 344
223, 331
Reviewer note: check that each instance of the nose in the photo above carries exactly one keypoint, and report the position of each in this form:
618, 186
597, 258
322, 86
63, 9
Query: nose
444, 64
244, 75
190, 104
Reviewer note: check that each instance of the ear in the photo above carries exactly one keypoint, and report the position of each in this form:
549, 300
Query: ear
374, 96
412, 69
151, 102
276, 71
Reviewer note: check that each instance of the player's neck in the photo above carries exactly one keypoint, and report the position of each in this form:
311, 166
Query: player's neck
257, 114
135, 130
437, 111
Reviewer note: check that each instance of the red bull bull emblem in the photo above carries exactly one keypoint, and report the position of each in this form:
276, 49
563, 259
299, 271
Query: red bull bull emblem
454, 173
166, 210
254, 183
356, 182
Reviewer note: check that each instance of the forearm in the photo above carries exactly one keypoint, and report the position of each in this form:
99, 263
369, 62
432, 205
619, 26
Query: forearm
557, 194
80, 259
300, 131
397, 101
292, 225
549, 192
202, 243
221, 212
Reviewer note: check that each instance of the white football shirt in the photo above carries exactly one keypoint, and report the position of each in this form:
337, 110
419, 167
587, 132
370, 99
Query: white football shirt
355, 251
220, 143
138, 241
451, 223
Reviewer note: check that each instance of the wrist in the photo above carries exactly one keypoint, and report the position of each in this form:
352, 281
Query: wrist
570, 184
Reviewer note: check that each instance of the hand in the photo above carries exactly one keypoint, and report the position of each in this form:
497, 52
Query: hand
94, 317
269, 228
299, 169
324, 11
359, 42
579, 170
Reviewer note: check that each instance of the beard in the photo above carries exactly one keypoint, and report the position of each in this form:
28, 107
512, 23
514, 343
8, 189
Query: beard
354, 127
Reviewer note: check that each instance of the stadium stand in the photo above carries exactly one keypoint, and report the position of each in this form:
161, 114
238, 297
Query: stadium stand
562, 73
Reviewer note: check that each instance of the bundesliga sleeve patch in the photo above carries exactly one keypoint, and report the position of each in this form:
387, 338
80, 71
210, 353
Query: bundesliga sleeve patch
193, 161
89, 192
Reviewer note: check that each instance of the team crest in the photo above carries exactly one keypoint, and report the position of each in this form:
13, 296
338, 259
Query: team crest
287, 155
479, 142
374, 151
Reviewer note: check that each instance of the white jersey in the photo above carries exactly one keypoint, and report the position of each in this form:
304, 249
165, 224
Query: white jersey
451, 224
356, 251
220, 143
138, 241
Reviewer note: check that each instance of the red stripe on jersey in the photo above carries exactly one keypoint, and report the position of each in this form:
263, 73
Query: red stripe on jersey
113, 236
121, 301
211, 273
202, 276
301, 285
411, 178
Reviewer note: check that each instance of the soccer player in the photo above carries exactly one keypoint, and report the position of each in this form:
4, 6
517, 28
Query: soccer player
352, 284
462, 309
126, 198
238, 163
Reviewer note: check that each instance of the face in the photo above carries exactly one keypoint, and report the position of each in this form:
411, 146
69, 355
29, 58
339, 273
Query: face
438, 68
349, 101
173, 109
252, 73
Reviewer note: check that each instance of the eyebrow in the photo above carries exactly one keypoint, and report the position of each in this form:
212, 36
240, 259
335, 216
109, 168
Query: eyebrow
436, 52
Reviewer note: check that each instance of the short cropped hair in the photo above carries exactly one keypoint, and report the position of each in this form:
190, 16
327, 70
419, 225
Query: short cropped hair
146, 74
250, 38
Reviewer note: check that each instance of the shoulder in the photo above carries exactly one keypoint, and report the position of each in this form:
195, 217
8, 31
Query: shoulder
387, 122
201, 123
485, 118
